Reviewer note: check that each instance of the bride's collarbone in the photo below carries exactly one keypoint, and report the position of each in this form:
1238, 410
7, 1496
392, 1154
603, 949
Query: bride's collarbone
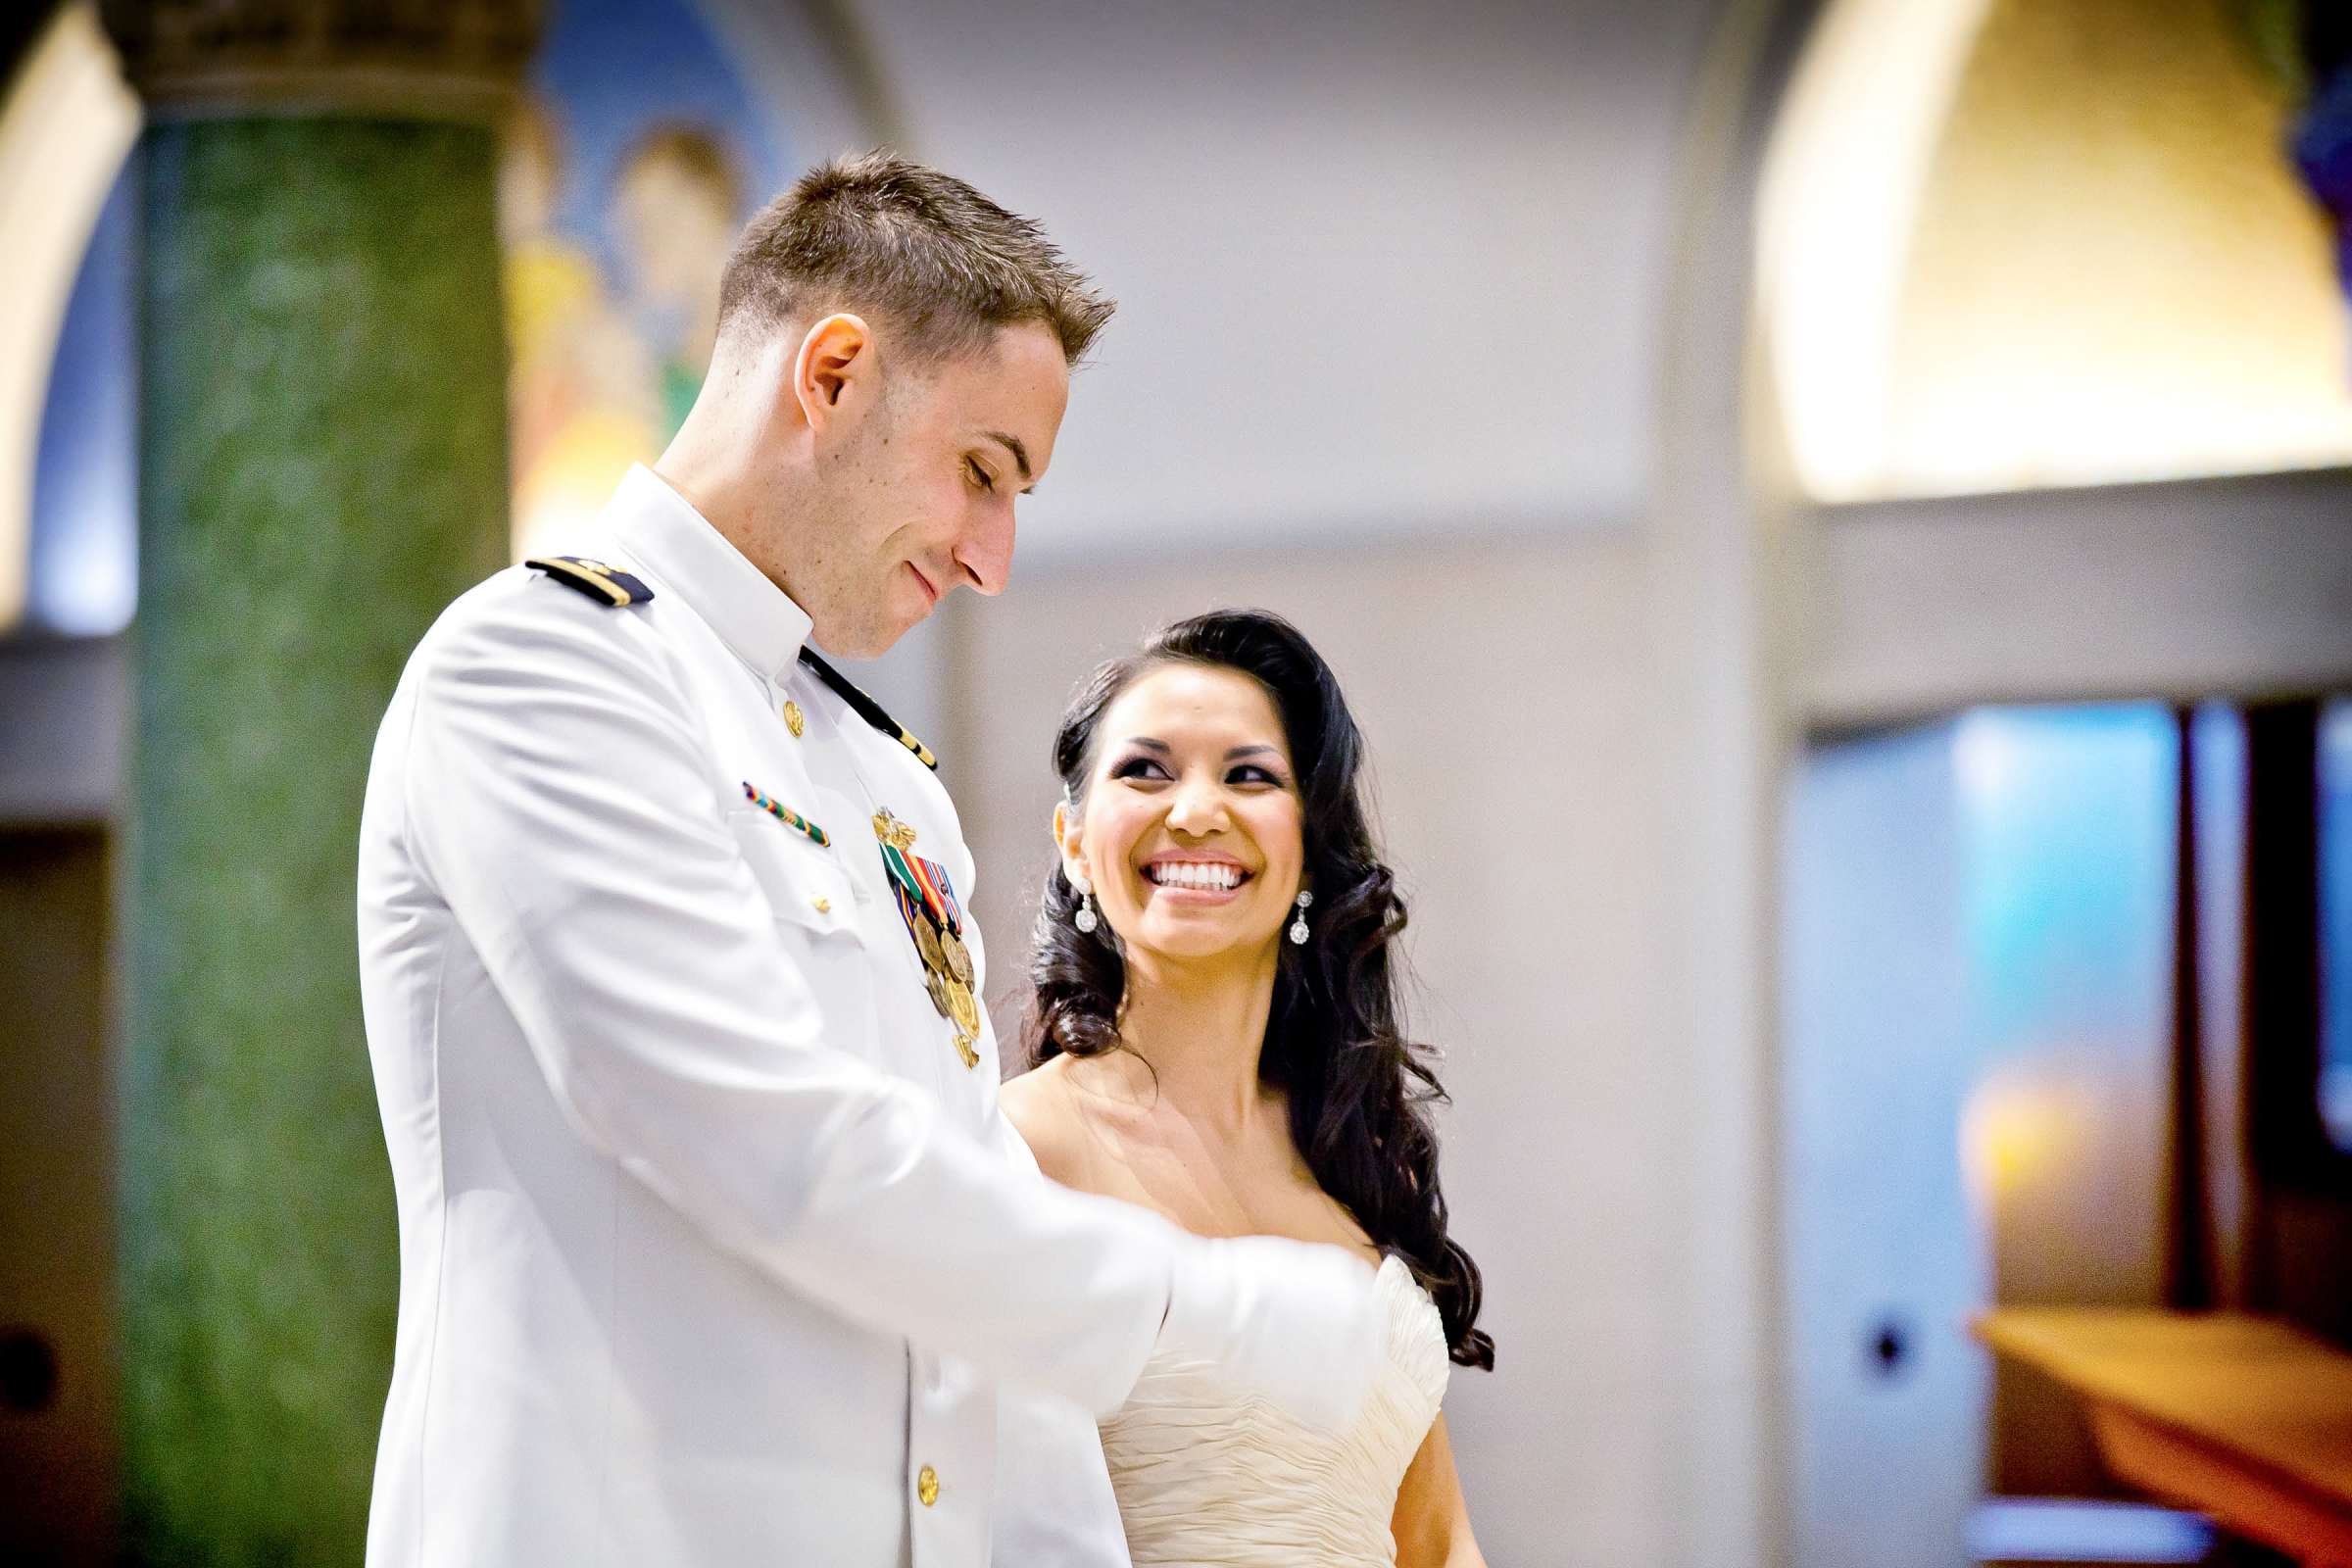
1247, 1195
1107, 1138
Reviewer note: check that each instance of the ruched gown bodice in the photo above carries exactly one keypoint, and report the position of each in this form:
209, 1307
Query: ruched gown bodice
1210, 1480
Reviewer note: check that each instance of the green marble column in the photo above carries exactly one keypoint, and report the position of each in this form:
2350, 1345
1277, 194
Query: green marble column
322, 468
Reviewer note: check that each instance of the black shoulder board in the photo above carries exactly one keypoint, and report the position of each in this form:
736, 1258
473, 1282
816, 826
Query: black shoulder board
607, 585
868, 708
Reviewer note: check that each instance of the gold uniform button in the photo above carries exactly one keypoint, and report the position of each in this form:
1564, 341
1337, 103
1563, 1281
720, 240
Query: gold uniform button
926, 1486
824, 905
793, 721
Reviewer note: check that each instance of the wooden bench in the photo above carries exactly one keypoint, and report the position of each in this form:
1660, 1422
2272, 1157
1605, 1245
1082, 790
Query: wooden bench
2242, 1418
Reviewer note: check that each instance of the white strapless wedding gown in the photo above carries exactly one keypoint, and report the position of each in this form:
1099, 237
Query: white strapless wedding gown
1206, 1479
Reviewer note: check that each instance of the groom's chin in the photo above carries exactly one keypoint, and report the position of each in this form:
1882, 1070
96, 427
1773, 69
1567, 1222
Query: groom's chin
868, 637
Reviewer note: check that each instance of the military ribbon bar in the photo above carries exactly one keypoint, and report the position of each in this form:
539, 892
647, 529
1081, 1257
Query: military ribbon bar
785, 814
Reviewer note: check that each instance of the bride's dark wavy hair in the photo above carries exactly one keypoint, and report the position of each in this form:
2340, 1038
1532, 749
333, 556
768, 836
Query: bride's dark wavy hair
1359, 1090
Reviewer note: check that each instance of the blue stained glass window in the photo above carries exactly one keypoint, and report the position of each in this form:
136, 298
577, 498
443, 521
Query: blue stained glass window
86, 506
2066, 823
2335, 921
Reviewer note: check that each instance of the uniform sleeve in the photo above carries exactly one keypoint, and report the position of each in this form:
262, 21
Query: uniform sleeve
557, 795
1054, 1501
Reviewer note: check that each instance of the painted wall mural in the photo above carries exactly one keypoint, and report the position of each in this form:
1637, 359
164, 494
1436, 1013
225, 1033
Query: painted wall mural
627, 172
642, 145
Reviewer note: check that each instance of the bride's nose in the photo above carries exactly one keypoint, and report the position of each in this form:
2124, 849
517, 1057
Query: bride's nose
1199, 808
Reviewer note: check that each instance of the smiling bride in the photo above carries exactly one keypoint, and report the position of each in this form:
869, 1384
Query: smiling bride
1216, 1023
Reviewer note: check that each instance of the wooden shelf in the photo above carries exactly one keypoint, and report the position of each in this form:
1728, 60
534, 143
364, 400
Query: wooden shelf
2239, 1417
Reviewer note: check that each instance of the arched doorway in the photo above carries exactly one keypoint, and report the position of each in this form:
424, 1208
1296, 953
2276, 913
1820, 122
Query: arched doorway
2050, 404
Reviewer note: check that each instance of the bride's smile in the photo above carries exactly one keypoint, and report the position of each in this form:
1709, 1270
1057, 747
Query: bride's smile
1196, 877
1192, 837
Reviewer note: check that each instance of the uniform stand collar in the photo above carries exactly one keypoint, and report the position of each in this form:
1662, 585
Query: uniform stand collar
663, 531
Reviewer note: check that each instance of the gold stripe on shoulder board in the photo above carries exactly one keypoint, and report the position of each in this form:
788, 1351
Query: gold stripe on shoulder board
594, 578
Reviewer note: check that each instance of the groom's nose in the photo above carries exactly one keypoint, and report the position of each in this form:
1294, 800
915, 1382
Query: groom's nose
985, 550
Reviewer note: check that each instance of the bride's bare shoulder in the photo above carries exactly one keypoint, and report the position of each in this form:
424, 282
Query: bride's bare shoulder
1046, 1114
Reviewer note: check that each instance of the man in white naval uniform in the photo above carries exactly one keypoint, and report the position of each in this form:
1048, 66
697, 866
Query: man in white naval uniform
712, 1251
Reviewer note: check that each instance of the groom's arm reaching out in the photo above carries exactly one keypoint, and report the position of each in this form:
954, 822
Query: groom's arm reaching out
557, 794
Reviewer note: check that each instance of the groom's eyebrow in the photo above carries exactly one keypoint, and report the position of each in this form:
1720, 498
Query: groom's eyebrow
1020, 455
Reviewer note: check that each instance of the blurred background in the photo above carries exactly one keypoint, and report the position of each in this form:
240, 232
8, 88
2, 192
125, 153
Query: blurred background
1836, 519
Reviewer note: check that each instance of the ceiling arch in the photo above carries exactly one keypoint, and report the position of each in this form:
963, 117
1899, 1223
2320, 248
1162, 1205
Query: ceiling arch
2016, 244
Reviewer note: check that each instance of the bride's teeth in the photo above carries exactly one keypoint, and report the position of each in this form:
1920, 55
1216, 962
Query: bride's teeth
1206, 878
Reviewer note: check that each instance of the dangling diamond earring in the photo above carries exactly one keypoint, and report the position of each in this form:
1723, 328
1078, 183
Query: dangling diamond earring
1299, 926
1086, 919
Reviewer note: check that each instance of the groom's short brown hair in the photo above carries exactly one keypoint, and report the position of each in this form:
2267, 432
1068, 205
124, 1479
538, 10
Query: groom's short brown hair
922, 250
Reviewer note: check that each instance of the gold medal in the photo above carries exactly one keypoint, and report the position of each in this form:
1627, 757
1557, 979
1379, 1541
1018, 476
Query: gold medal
927, 943
937, 985
963, 1048
964, 1008
959, 958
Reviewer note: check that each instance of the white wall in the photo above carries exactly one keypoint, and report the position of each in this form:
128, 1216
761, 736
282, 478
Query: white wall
1382, 265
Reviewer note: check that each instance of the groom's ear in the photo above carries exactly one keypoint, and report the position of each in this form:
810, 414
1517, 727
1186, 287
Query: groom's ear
834, 374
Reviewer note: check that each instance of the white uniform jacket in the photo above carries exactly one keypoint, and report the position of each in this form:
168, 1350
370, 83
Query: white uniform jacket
707, 1232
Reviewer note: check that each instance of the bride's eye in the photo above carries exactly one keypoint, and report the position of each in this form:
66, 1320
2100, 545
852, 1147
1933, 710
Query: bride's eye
1139, 767
1251, 773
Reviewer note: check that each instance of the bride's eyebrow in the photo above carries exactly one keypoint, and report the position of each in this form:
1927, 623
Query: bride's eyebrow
1147, 743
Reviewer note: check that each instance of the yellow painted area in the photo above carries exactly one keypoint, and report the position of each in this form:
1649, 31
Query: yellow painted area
2094, 265
2016, 1134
